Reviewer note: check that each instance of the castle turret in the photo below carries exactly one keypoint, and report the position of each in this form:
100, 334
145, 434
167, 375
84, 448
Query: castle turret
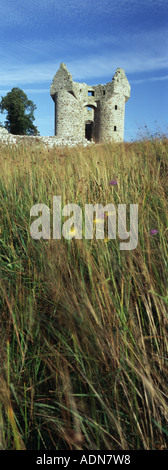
110, 113
68, 112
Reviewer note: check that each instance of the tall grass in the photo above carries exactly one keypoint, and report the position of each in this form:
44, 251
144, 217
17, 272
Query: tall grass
83, 337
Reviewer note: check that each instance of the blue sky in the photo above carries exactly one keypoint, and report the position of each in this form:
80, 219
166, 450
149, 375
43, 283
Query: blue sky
92, 38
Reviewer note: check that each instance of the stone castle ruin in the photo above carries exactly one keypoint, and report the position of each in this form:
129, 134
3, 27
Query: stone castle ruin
91, 112
84, 114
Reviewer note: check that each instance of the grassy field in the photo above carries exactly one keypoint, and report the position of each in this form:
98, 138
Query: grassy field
84, 325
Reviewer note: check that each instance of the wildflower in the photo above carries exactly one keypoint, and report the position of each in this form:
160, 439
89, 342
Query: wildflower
98, 221
113, 182
111, 213
153, 231
73, 231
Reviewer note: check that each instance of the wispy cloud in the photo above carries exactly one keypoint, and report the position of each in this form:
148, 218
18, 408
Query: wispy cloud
87, 68
98, 67
149, 79
154, 41
23, 74
42, 91
36, 91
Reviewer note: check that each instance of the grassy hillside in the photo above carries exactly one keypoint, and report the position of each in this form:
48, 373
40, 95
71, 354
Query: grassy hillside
83, 325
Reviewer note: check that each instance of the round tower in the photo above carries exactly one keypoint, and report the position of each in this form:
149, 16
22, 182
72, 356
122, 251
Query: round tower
110, 119
68, 115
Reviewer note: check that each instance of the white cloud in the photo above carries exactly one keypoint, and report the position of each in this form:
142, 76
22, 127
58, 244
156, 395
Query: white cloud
28, 90
154, 40
86, 68
102, 66
11, 75
149, 79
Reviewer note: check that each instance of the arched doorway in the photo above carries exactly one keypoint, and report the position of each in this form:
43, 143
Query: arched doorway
88, 130
89, 119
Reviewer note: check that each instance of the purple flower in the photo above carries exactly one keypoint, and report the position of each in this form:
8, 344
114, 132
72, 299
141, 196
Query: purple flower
113, 182
153, 231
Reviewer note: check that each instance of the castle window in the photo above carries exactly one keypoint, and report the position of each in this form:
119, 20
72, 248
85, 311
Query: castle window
90, 93
115, 128
104, 92
115, 106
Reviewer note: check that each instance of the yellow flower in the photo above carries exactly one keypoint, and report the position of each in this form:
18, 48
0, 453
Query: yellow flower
112, 213
98, 221
73, 231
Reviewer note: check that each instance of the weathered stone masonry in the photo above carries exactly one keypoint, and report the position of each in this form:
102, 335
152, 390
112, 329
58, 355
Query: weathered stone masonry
96, 112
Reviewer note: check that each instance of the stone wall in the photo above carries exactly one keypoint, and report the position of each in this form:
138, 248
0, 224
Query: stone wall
48, 142
6, 138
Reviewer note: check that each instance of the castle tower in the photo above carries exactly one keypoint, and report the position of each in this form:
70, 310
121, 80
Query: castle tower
68, 112
110, 113
96, 112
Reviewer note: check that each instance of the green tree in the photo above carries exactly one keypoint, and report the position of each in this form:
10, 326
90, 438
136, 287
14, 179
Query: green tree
20, 113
